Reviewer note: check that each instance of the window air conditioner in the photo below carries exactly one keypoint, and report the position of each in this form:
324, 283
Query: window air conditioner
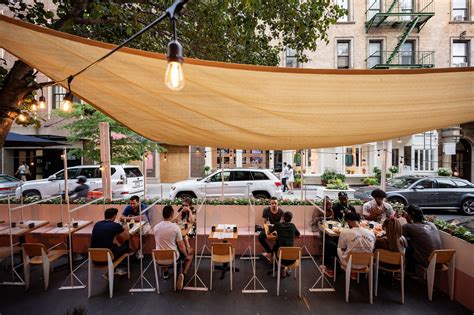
458, 18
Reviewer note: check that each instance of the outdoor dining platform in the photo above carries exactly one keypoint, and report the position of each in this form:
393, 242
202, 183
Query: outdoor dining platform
15, 300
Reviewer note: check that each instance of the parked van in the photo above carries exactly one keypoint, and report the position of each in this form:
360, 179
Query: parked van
127, 180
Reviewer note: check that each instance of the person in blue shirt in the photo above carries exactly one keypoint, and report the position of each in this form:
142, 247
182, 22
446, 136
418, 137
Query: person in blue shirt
132, 211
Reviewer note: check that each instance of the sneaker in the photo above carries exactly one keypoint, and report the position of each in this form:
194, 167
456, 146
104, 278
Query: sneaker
353, 276
328, 272
120, 272
166, 275
180, 281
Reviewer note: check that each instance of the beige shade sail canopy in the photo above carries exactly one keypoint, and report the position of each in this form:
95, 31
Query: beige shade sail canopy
242, 106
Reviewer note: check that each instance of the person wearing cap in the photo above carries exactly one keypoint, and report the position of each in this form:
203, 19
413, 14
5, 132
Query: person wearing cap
343, 207
353, 240
377, 209
423, 238
81, 190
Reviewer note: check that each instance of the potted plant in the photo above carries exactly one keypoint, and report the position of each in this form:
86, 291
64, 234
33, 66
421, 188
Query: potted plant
444, 171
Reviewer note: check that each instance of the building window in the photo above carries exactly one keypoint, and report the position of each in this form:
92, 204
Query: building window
407, 156
343, 54
407, 54
395, 157
375, 53
291, 61
344, 4
424, 160
460, 11
373, 7
460, 53
58, 95
406, 7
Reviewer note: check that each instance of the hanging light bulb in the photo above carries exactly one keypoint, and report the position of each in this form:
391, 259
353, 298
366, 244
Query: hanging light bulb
66, 104
399, 140
42, 102
198, 151
21, 117
34, 106
378, 153
174, 77
164, 158
336, 157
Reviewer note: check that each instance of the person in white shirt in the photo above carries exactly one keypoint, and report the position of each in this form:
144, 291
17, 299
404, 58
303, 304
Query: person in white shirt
356, 239
291, 179
168, 236
23, 170
377, 209
284, 176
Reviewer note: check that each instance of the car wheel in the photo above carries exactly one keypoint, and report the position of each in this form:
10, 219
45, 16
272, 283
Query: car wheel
31, 193
186, 195
261, 195
398, 200
467, 207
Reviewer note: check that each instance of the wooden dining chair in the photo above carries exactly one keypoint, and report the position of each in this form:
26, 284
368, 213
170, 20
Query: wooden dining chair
365, 263
38, 254
288, 253
441, 260
103, 258
165, 258
222, 253
396, 261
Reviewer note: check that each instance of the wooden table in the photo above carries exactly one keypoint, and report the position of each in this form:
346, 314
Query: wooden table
224, 232
64, 230
336, 229
19, 231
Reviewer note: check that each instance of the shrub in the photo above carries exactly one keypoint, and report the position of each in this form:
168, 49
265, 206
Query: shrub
444, 171
337, 184
370, 181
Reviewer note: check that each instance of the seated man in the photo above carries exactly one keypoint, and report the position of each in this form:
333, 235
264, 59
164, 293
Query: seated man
377, 209
168, 236
111, 235
132, 211
286, 233
343, 207
355, 239
271, 215
423, 238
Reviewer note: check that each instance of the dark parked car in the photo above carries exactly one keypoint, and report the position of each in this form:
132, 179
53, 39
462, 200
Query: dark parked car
444, 193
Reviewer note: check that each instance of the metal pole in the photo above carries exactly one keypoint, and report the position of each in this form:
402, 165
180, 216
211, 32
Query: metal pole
144, 175
222, 175
383, 180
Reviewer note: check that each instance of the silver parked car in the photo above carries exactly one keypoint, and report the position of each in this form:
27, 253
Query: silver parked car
443, 193
8, 184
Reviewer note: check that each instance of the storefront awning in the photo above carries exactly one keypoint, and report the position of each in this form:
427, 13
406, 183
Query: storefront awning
243, 106
15, 140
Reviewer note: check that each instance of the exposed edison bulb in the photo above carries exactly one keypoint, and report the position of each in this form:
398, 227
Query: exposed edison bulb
66, 104
21, 117
174, 77
42, 102
34, 107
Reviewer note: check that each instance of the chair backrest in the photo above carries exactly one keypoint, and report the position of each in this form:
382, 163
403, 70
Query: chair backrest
443, 256
360, 258
385, 256
289, 253
164, 254
220, 248
100, 254
34, 249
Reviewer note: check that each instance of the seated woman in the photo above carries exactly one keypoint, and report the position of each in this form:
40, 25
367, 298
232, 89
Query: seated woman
393, 240
186, 214
286, 233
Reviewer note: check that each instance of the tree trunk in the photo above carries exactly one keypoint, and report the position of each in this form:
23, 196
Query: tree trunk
17, 85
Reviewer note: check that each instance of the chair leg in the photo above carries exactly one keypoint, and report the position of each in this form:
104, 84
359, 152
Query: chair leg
348, 277
231, 272
156, 277
402, 282
299, 275
278, 278
27, 267
451, 270
430, 274
128, 266
273, 271
376, 277
46, 269
110, 270
212, 265
89, 267
334, 270
371, 280
358, 278
175, 271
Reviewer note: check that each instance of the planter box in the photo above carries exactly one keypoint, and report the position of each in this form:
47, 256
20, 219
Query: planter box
464, 275
321, 192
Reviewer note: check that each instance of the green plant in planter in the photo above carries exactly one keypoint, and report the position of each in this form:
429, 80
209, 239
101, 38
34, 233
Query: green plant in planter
393, 170
337, 184
378, 174
444, 171
370, 181
327, 175
207, 169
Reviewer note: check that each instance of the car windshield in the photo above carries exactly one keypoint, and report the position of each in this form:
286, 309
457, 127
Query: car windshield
402, 182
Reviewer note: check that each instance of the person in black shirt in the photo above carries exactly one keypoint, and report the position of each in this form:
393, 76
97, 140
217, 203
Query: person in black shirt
271, 215
343, 207
286, 233
109, 234
81, 190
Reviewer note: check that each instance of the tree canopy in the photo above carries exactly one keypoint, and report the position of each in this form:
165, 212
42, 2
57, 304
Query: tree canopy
245, 31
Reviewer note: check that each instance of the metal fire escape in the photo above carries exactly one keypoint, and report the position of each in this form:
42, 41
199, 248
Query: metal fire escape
407, 16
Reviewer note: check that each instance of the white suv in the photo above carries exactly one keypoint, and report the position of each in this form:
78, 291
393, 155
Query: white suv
126, 181
238, 183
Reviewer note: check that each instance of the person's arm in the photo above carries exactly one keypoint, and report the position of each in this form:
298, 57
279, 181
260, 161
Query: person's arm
265, 216
297, 233
123, 233
273, 228
389, 210
190, 217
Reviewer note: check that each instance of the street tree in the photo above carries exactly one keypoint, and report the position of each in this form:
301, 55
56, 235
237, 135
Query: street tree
238, 31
